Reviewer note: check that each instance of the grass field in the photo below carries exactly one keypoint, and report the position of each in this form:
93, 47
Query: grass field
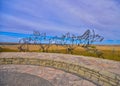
111, 52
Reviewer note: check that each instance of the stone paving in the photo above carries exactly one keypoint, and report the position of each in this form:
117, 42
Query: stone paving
54, 76
8, 78
58, 77
90, 62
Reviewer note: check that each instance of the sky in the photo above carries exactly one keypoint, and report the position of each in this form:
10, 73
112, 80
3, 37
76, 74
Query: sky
19, 18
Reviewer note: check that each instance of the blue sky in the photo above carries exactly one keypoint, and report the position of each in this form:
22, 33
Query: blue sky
18, 18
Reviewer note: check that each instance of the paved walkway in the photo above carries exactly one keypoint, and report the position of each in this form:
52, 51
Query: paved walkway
59, 77
90, 62
54, 76
8, 78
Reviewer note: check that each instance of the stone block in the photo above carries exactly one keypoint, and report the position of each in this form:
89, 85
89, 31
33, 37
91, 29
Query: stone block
71, 67
81, 72
107, 84
26, 61
55, 64
104, 79
33, 61
21, 60
108, 74
76, 68
15, 61
64, 66
94, 78
42, 62
87, 75
118, 77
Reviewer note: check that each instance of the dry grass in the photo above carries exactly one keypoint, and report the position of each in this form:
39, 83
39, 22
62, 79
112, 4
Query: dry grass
109, 51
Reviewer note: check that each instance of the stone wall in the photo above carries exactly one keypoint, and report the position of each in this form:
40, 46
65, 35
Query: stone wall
97, 77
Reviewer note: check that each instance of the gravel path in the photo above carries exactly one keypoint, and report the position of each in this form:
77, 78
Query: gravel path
94, 63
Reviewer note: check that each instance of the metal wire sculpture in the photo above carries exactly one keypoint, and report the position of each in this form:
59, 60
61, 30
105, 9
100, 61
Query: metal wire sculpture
67, 40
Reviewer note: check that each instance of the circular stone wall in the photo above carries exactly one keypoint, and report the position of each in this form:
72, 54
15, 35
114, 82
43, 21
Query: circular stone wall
8, 78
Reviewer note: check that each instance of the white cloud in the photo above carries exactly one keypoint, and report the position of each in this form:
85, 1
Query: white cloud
62, 16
